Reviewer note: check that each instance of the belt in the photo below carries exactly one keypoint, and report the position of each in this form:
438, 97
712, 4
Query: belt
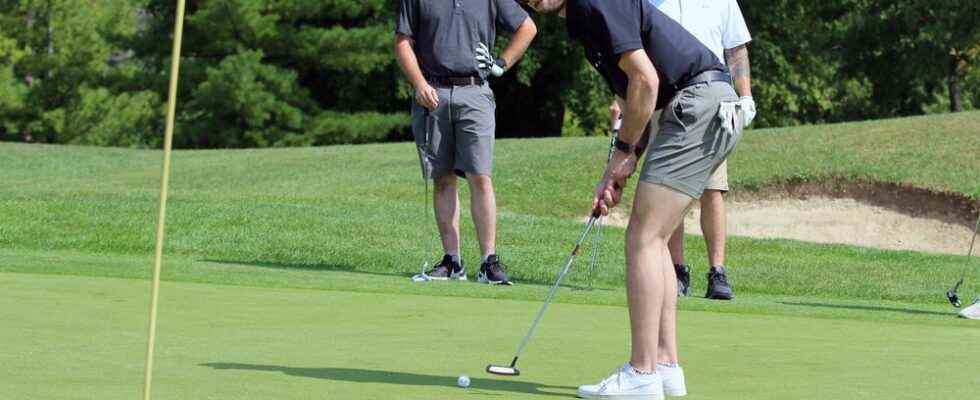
456, 80
707, 77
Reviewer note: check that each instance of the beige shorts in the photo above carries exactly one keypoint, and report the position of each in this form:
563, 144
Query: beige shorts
719, 179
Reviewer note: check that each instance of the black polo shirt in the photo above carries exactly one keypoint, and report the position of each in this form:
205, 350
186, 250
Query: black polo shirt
446, 32
608, 28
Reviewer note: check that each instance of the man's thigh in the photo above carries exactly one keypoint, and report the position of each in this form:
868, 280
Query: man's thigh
475, 126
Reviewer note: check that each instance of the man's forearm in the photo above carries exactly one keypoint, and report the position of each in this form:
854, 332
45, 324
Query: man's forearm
519, 42
407, 60
737, 59
641, 95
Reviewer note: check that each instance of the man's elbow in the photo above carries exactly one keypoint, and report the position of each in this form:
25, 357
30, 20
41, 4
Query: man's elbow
400, 41
528, 28
649, 83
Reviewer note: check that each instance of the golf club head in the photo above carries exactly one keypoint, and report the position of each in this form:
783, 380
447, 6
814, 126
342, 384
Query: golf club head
953, 298
505, 371
422, 277
951, 295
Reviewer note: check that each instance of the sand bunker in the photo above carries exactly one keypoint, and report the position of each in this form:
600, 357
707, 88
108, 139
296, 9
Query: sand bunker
808, 216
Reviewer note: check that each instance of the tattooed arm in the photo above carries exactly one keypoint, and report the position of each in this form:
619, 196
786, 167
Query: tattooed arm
737, 59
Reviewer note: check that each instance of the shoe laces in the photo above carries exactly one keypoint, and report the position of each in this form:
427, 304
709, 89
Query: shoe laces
495, 267
719, 277
615, 375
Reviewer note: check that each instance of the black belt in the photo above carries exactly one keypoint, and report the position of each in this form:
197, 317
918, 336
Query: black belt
707, 77
456, 80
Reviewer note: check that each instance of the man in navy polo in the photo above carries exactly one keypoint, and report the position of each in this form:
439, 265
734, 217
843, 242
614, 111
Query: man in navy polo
444, 49
653, 63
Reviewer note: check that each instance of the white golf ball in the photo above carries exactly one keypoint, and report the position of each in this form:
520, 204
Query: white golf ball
463, 381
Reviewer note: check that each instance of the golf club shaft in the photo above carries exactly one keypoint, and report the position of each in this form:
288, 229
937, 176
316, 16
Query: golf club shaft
597, 238
970, 252
596, 242
554, 289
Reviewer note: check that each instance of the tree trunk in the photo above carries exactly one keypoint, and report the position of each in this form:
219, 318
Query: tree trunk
954, 86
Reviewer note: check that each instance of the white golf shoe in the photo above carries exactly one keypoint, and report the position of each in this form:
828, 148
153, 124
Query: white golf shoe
971, 312
673, 378
625, 384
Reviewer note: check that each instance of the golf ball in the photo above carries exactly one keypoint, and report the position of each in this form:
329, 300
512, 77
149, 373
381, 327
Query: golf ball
463, 381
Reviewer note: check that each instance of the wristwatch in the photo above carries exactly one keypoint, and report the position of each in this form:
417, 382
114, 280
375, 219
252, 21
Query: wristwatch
627, 148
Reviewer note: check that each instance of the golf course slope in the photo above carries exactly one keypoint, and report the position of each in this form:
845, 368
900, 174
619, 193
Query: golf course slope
286, 273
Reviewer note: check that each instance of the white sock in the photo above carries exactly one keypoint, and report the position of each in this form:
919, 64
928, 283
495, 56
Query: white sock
455, 257
668, 365
640, 372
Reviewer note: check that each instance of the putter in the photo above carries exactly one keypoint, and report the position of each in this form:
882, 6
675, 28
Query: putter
951, 294
426, 172
512, 369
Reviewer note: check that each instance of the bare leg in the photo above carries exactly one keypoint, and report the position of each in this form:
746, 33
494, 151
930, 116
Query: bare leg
656, 212
446, 203
668, 319
676, 244
483, 206
713, 226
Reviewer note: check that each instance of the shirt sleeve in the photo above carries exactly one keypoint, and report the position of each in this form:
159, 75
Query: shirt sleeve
510, 15
735, 32
621, 22
407, 18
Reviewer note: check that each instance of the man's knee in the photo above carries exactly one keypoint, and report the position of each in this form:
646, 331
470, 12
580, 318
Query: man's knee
481, 183
445, 183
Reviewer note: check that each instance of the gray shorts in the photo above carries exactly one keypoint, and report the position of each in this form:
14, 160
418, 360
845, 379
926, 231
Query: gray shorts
457, 137
693, 140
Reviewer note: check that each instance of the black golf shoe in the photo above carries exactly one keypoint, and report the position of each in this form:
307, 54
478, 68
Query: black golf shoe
447, 269
718, 287
492, 272
683, 279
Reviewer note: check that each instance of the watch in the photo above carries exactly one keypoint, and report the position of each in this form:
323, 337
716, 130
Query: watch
627, 148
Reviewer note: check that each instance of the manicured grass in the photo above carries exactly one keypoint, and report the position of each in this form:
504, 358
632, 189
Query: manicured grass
361, 207
69, 337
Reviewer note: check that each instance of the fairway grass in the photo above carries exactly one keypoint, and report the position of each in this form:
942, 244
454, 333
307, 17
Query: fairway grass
69, 337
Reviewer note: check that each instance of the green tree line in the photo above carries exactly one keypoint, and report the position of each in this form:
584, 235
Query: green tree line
261, 73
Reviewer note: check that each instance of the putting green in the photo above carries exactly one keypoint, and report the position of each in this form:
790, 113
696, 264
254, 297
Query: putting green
68, 337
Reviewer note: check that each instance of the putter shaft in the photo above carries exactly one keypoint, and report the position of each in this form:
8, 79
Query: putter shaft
554, 289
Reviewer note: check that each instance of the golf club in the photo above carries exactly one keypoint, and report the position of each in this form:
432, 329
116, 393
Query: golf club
951, 294
512, 369
426, 172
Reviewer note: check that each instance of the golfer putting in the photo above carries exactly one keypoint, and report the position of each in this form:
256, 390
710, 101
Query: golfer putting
653, 63
719, 25
444, 49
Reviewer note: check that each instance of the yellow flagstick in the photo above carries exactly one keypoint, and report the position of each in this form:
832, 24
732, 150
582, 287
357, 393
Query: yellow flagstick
167, 144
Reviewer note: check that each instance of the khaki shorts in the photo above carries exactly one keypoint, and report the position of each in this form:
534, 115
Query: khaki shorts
691, 143
719, 179
456, 137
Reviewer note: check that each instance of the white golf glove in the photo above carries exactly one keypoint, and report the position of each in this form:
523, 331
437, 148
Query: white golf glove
746, 106
486, 62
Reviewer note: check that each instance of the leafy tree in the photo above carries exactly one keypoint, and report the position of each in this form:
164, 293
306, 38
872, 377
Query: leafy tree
57, 52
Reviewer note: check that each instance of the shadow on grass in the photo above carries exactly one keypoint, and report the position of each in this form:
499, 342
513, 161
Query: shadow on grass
328, 267
397, 378
866, 308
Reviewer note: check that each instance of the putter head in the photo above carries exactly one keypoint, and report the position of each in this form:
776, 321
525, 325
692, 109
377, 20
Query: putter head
951, 295
953, 298
422, 277
505, 371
